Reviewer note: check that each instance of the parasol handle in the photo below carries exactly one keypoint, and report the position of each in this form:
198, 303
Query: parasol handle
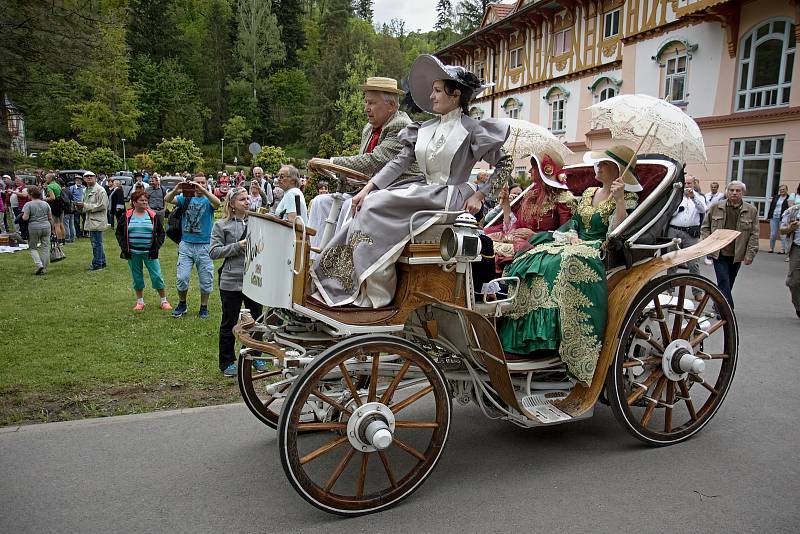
638, 148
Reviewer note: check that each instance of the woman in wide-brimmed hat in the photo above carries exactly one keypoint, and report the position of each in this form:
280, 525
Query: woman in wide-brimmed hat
545, 206
357, 267
562, 298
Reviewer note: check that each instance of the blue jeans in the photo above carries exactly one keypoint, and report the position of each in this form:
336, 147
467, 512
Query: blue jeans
726, 270
195, 254
69, 226
774, 234
98, 254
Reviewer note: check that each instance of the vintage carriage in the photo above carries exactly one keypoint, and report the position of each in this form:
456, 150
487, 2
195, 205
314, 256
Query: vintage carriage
362, 398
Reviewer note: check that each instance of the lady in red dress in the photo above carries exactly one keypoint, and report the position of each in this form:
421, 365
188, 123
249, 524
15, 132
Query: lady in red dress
545, 206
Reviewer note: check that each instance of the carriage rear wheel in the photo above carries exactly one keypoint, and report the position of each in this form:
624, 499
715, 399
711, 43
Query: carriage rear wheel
675, 360
260, 396
377, 443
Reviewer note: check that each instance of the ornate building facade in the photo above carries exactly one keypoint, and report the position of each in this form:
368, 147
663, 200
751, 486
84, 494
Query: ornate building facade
727, 63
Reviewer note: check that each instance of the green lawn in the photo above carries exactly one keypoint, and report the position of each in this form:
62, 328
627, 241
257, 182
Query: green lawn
72, 347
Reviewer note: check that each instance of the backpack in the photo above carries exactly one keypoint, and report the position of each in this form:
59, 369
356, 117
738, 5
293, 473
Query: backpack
175, 221
66, 200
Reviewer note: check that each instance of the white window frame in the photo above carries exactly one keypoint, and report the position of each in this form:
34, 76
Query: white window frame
565, 38
670, 78
557, 114
769, 96
515, 58
607, 92
610, 21
512, 107
737, 158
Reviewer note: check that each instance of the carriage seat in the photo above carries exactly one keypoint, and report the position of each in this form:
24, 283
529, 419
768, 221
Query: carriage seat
659, 198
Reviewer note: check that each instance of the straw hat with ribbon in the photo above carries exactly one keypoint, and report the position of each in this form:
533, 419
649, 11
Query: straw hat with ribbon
624, 158
427, 69
383, 85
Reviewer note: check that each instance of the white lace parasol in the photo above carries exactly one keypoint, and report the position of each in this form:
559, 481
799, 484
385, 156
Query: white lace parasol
526, 139
655, 124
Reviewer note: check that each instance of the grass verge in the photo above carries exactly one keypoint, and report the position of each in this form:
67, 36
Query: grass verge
72, 347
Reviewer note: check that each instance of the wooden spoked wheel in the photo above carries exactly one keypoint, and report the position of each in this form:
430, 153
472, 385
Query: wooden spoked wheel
253, 387
381, 441
675, 361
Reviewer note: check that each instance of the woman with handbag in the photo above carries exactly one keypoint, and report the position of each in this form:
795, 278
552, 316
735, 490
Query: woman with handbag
37, 214
228, 241
140, 234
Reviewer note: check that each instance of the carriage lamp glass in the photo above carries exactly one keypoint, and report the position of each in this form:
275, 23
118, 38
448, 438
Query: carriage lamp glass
461, 241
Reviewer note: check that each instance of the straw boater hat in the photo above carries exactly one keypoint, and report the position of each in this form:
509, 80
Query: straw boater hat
383, 85
621, 156
551, 169
427, 69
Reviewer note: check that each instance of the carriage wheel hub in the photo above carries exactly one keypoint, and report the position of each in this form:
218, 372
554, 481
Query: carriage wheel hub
679, 360
371, 427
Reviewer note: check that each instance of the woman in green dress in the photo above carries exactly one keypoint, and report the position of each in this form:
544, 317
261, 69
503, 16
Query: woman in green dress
562, 299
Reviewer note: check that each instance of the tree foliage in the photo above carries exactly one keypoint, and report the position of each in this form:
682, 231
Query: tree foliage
470, 14
350, 104
143, 161
110, 111
176, 155
270, 159
364, 10
216, 66
236, 131
258, 44
103, 159
65, 155
290, 14
328, 147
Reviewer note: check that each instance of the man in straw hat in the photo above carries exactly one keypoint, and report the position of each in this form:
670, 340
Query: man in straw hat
379, 146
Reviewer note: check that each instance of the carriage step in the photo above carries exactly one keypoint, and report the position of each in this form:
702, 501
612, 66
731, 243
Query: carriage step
540, 405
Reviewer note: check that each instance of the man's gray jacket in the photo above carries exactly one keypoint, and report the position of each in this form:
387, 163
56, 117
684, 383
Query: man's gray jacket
385, 151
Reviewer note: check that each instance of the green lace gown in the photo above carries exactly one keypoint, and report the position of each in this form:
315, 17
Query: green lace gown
562, 300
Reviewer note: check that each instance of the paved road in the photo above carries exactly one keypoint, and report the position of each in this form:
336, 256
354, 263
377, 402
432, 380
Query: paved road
217, 469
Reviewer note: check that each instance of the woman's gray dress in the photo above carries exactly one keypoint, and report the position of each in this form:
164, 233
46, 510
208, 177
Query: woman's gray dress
357, 266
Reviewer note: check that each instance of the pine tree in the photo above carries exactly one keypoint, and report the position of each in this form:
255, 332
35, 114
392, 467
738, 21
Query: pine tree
364, 10
151, 29
214, 71
259, 44
290, 19
444, 15
470, 14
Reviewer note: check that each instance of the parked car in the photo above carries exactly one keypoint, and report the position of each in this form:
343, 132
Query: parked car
125, 181
170, 182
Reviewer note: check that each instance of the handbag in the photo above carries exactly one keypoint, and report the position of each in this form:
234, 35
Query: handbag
175, 222
56, 253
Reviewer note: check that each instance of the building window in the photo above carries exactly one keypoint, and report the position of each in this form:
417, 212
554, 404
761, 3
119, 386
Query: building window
515, 58
557, 115
512, 107
757, 162
479, 70
675, 76
604, 87
606, 93
765, 66
562, 42
611, 24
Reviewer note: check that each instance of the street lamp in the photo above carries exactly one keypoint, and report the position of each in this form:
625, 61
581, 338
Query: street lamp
124, 157
222, 153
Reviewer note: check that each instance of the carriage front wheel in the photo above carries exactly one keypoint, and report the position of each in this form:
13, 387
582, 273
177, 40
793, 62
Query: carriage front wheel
381, 437
675, 360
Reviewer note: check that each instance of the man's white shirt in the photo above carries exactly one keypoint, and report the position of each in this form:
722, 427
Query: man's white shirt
690, 214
